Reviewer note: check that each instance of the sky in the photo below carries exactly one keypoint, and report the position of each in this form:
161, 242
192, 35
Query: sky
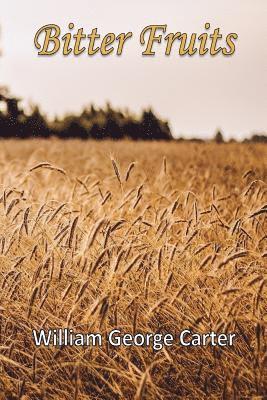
197, 95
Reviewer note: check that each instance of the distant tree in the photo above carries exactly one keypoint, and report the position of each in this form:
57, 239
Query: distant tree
219, 137
259, 138
74, 129
35, 125
13, 109
132, 129
113, 129
96, 132
153, 128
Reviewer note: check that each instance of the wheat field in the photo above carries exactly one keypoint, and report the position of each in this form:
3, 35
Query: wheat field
147, 237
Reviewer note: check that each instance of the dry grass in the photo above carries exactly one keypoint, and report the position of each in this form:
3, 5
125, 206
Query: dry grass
145, 237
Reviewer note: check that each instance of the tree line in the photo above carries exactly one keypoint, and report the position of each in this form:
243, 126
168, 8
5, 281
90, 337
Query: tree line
91, 123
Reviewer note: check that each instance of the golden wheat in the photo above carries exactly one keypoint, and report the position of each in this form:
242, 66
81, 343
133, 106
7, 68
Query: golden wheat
180, 243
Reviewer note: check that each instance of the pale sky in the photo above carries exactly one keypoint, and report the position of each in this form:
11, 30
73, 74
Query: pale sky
196, 94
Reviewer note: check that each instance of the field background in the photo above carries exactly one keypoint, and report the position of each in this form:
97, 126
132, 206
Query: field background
151, 237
